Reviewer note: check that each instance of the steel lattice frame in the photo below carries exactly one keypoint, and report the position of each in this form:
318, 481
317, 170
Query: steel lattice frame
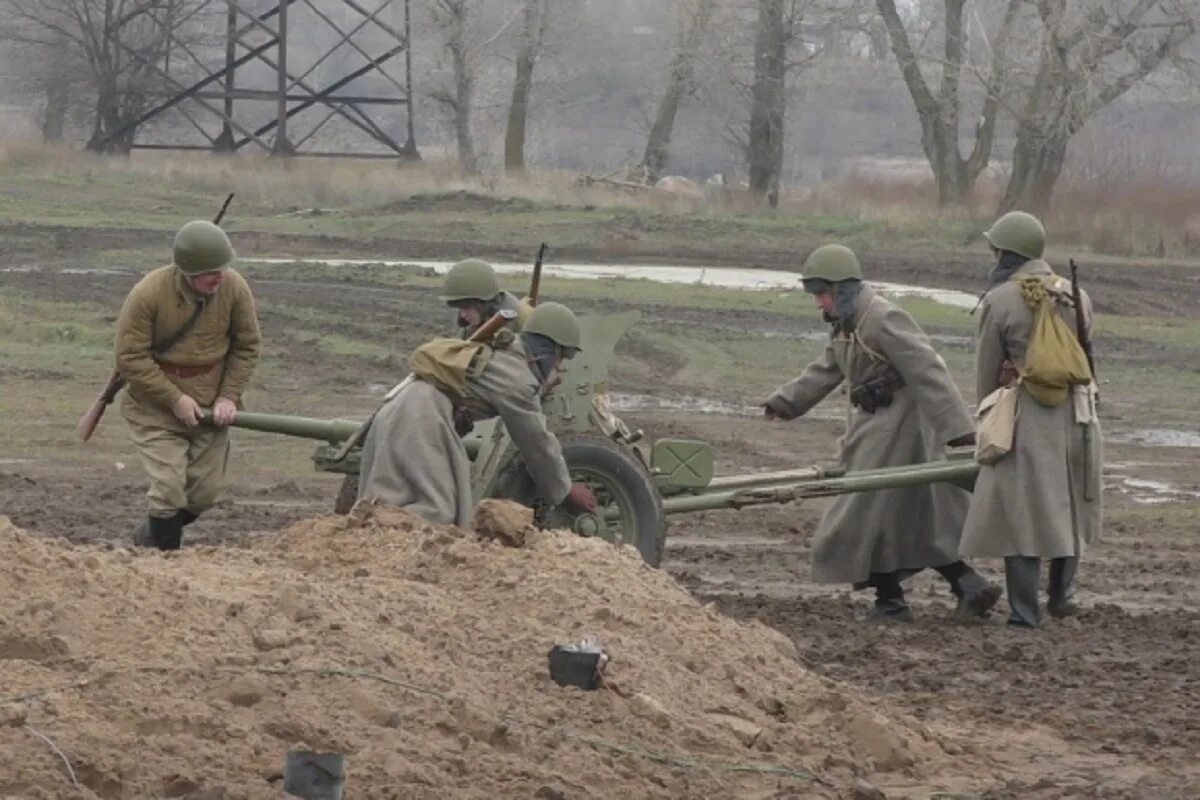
216, 93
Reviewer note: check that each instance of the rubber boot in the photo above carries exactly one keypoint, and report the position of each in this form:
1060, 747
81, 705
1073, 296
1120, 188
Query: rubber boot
890, 605
1062, 587
975, 595
166, 533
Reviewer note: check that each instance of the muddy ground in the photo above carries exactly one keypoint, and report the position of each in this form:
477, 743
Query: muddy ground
1119, 684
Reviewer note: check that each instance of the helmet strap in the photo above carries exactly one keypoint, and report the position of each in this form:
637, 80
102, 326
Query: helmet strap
541, 354
845, 295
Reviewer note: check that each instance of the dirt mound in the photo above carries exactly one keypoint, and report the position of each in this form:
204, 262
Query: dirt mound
421, 653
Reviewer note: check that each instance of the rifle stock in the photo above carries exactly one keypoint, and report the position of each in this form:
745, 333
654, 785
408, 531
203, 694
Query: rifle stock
1081, 332
91, 418
535, 284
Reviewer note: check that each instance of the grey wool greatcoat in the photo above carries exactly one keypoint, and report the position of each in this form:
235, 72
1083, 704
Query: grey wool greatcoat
414, 459
1032, 501
891, 529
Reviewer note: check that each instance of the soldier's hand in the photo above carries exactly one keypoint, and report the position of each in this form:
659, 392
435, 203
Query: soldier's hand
187, 411
772, 413
1008, 373
224, 411
581, 497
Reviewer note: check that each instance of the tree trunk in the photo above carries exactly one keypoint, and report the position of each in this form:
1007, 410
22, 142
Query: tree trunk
658, 143
768, 101
518, 110
108, 121
464, 90
57, 101
1037, 163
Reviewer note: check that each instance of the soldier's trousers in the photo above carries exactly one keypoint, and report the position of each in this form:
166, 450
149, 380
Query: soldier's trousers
1022, 576
186, 470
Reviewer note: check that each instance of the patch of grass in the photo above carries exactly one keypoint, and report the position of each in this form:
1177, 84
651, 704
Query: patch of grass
433, 202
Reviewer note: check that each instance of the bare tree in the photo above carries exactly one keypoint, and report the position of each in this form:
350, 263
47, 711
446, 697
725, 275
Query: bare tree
533, 33
454, 18
768, 103
1089, 55
777, 34
694, 17
122, 46
940, 113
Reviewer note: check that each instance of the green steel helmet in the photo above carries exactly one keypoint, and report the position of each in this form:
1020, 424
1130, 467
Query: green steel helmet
557, 323
1019, 233
833, 263
201, 246
472, 279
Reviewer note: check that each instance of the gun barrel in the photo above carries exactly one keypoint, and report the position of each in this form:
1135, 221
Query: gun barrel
957, 470
332, 431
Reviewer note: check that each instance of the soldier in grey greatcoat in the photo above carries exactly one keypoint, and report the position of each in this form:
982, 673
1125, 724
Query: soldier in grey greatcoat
1043, 498
414, 458
905, 410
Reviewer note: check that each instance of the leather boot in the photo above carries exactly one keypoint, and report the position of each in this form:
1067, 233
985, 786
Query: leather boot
166, 533
1062, 588
141, 534
890, 605
975, 595
186, 517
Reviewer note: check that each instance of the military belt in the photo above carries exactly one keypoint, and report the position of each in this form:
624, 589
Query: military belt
185, 371
877, 393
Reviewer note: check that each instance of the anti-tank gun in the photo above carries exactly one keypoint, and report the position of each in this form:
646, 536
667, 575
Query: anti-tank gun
636, 484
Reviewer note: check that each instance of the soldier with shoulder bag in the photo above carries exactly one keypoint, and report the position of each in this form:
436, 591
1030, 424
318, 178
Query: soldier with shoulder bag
903, 409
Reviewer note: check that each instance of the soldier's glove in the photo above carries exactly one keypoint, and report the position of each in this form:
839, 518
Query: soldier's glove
967, 440
580, 498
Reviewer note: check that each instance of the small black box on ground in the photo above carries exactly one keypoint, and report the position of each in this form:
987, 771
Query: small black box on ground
570, 667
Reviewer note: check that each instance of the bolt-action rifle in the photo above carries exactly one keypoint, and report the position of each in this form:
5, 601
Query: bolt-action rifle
88, 422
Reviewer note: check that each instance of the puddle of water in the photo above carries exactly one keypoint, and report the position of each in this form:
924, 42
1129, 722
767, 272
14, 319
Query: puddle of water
1157, 437
94, 271
622, 401
721, 277
1148, 492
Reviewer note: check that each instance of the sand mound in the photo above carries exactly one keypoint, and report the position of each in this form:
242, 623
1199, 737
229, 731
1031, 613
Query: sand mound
420, 653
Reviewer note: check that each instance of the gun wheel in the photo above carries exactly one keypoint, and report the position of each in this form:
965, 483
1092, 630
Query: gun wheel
622, 485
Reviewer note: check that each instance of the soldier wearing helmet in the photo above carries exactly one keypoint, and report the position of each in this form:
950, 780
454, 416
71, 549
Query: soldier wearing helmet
472, 290
414, 458
187, 337
1043, 498
903, 408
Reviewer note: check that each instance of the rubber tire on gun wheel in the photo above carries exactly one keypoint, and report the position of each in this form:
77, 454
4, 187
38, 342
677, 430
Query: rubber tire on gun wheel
601, 459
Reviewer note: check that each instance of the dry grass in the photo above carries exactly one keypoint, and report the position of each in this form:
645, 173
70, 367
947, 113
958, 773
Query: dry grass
1124, 215
328, 183
1144, 212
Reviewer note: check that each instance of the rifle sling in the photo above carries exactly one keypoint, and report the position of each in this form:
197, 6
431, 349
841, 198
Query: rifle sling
118, 382
176, 337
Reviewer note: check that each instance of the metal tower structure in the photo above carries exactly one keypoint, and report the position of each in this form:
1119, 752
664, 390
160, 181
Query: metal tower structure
281, 107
